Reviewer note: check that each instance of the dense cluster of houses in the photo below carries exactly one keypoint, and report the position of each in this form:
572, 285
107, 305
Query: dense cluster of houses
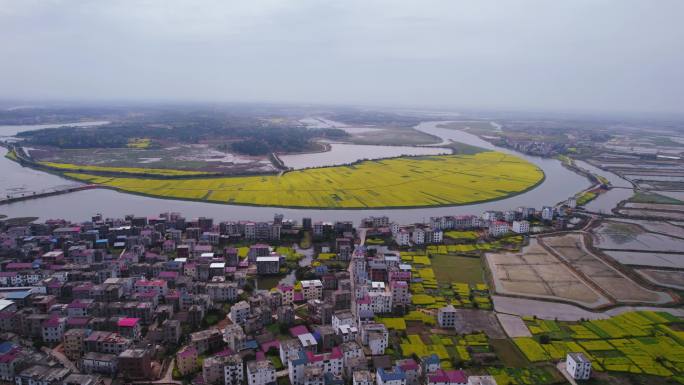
113, 298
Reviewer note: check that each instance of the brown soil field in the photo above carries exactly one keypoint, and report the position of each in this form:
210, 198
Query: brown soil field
571, 247
534, 272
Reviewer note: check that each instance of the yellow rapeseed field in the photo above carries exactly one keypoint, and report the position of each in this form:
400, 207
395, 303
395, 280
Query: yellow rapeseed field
399, 182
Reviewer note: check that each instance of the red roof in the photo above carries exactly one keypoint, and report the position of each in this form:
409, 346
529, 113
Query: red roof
298, 330
19, 265
267, 345
127, 322
449, 376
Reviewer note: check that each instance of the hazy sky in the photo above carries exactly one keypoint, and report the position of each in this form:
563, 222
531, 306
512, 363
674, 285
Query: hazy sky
617, 55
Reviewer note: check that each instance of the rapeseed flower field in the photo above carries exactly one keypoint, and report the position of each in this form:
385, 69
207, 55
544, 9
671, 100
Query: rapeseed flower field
398, 182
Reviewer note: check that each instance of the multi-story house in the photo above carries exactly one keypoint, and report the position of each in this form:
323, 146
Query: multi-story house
393, 376
312, 289
446, 317
498, 228
578, 366
521, 227
106, 342
206, 341
234, 336
332, 363
375, 336
447, 377
74, 343
268, 265
53, 329
222, 291
411, 370
239, 312
362, 377
401, 296
261, 373
187, 360
94, 362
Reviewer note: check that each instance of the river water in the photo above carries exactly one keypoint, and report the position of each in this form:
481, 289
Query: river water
605, 202
560, 184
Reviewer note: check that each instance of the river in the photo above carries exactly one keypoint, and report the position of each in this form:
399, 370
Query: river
604, 203
560, 184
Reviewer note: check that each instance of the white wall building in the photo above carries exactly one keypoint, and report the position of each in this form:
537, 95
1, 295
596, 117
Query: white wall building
521, 227
446, 317
578, 366
261, 373
498, 228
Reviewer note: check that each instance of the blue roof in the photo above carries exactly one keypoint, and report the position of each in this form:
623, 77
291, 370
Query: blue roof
330, 379
6, 347
431, 359
251, 344
17, 294
396, 374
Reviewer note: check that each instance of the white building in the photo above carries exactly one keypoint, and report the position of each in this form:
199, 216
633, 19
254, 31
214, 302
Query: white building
521, 227
402, 237
578, 366
222, 291
446, 317
234, 336
375, 336
381, 302
239, 312
547, 213
418, 236
233, 372
299, 362
481, 380
498, 228
261, 373
53, 329
312, 289
400, 293
363, 377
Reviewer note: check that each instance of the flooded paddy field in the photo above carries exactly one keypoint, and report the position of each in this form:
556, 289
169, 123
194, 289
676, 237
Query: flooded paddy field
667, 278
668, 215
629, 236
647, 258
655, 226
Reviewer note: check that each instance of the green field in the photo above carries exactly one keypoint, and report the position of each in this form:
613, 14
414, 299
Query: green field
399, 182
462, 235
68, 167
450, 268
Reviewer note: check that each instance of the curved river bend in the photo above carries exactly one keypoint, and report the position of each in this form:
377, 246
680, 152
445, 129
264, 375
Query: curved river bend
560, 184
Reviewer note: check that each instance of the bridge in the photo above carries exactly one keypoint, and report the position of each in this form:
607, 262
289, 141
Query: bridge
26, 195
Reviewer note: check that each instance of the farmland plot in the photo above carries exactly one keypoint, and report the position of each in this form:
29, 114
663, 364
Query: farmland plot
535, 272
571, 247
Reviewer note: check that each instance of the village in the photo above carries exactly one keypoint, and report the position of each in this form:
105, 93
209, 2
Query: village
167, 300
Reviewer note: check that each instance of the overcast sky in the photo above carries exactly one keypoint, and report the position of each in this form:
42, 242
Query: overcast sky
575, 55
